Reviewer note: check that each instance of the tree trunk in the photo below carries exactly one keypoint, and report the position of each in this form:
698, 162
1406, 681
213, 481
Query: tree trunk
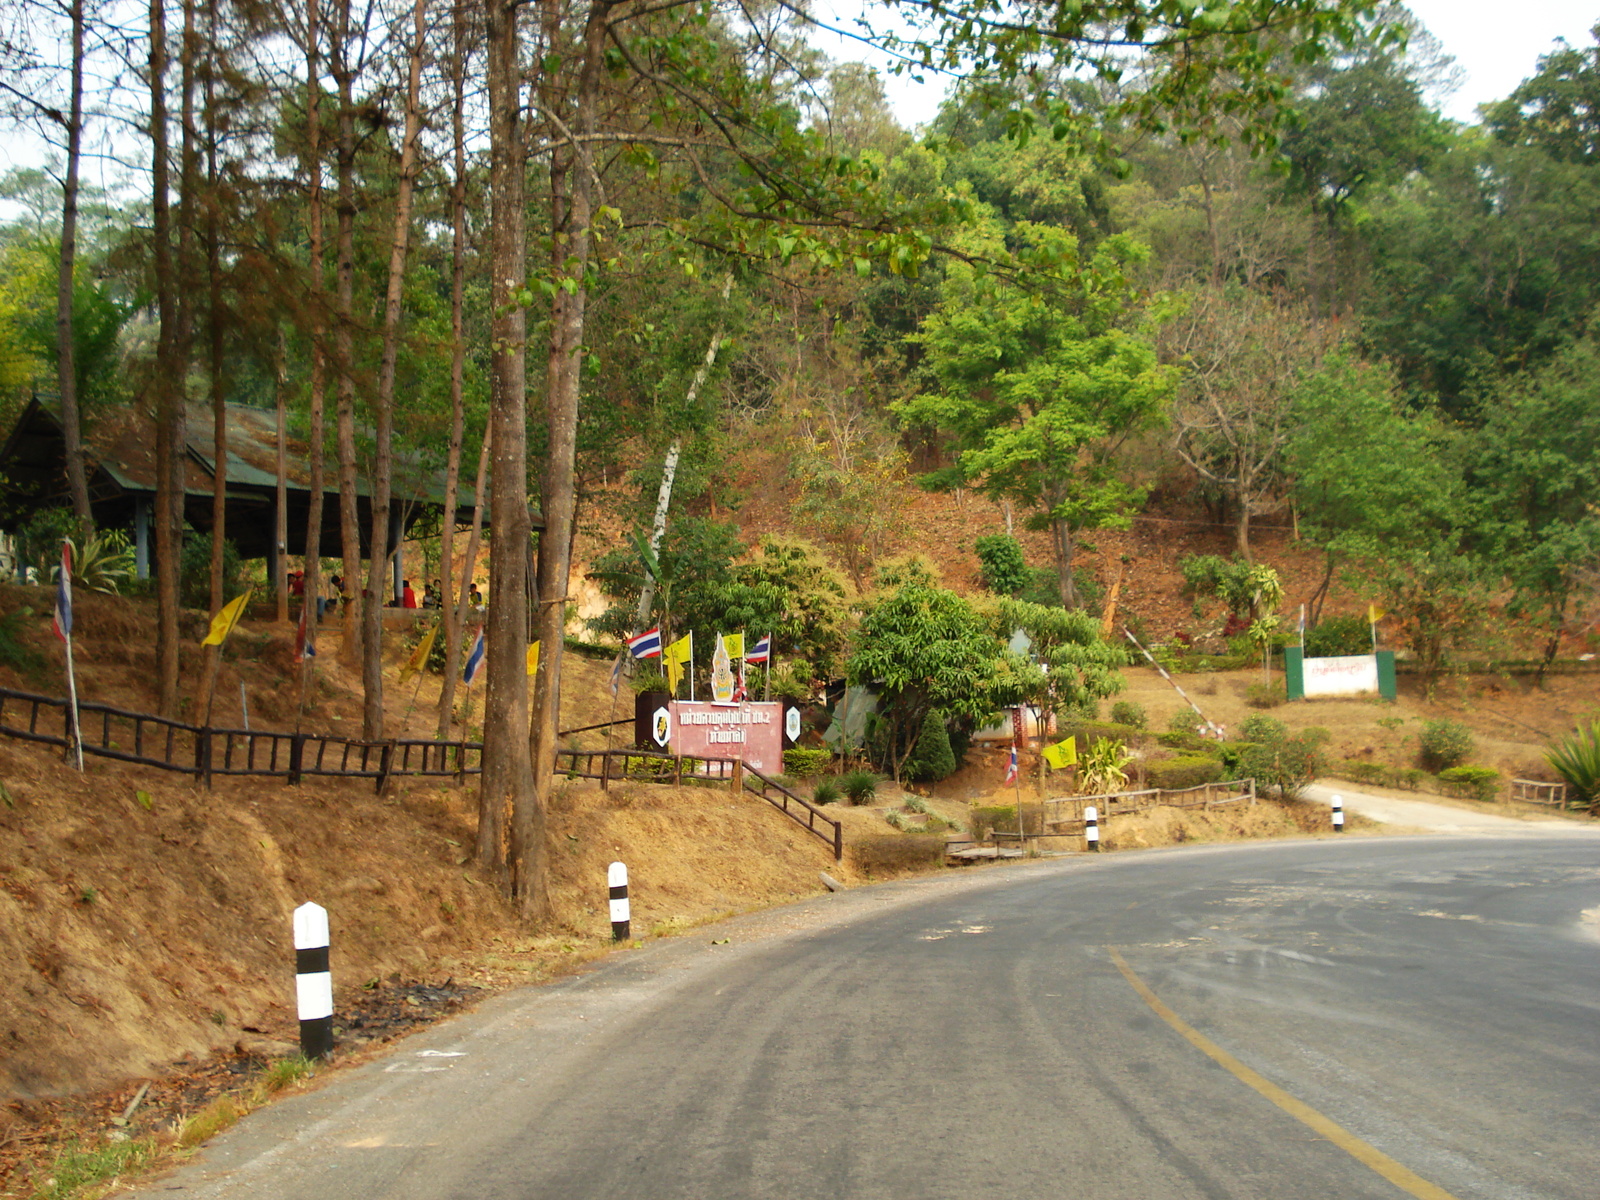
280, 529
66, 351
319, 355
506, 781
383, 457
1061, 535
1241, 527
168, 382
572, 172
215, 324
344, 332
450, 614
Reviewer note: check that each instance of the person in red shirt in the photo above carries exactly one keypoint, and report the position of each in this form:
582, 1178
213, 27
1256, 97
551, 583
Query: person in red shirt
408, 598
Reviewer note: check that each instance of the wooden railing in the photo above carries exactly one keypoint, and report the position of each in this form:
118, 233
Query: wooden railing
1538, 791
1064, 814
207, 751
813, 821
646, 766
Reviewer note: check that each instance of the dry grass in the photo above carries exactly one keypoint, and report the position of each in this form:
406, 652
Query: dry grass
1235, 823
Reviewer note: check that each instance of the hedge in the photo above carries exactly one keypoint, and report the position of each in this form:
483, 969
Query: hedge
1174, 774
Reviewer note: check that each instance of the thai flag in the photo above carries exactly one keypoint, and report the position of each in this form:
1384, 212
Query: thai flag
761, 652
646, 645
62, 621
1011, 767
474, 659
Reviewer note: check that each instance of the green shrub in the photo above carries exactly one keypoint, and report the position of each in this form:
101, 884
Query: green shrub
1202, 573
804, 763
859, 787
1361, 771
1174, 774
194, 581
1185, 720
826, 791
642, 767
1336, 636
1127, 712
1266, 695
15, 652
1445, 743
1480, 783
1287, 765
1231, 754
931, 759
1317, 735
1181, 741
1259, 728
1411, 778
1000, 558
791, 682
650, 680
1576, 759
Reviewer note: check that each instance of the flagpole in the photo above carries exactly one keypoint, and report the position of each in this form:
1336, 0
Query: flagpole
63, 624
691, 666
1016, 782
72, 698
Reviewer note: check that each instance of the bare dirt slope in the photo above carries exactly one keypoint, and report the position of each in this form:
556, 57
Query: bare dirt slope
144, 918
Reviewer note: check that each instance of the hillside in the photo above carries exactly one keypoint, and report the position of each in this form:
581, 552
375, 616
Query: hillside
144, 921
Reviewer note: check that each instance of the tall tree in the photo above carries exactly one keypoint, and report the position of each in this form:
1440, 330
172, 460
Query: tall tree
64, 125
1241, 355
1038, 389
383, 399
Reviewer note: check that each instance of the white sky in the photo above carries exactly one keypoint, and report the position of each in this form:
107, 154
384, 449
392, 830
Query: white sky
1497, 45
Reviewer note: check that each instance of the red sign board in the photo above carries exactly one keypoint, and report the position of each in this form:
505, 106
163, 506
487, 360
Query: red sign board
751, 732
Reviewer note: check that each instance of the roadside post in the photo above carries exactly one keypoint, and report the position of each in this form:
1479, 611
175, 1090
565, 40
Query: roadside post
1091, 828
1338, 813
313, 980
617, 878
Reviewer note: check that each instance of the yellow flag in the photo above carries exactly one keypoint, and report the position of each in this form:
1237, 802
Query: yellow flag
1063, 754
227, 617
674, 657
1374, 614
419, 656
533, 659
733, 643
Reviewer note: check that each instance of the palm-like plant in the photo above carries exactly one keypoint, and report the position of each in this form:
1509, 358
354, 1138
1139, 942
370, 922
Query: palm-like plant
1102, 767
1576, 759
104, 563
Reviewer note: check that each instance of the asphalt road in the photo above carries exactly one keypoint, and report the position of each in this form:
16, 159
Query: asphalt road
1335, 1019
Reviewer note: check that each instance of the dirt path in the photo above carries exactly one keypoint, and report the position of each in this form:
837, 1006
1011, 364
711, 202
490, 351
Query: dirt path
1434, 817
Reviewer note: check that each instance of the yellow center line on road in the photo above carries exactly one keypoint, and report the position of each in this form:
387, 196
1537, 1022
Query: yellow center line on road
1402, 1177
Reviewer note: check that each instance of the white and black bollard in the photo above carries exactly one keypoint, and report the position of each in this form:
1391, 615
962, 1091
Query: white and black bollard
617, 877
313, 981
1091, 828
1338, 813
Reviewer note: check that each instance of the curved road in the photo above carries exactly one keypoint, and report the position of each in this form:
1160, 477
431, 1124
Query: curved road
1333, 1019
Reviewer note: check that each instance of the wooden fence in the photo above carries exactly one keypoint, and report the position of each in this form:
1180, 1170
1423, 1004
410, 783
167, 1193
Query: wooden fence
645, 766
205, 752
1537, 791
1063, 815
